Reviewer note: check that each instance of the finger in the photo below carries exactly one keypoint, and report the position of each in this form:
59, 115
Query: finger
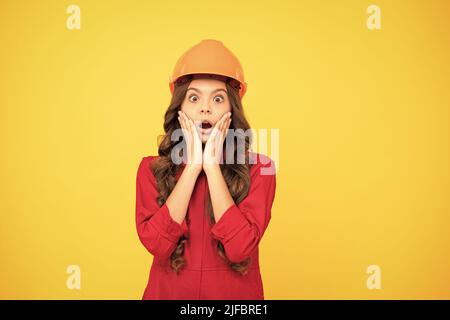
193, 129
228, 121
219, 146
185, 122
190, 125
225, 131
215, 129
213, 134
185, 129
225, 117
225, 123
180, 117
219, 125
180, 120
225, 128
222, 121
186, 139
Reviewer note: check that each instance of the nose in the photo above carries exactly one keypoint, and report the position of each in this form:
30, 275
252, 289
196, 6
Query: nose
205, 108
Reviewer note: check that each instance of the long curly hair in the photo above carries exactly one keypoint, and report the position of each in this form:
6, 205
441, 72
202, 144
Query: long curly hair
236, 175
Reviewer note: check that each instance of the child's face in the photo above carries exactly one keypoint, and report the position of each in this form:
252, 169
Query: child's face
206, 100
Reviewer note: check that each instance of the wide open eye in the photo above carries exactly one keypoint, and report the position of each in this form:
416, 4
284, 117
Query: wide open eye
193, 98
218, 99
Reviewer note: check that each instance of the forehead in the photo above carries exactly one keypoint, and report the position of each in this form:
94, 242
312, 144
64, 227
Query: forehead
207, 85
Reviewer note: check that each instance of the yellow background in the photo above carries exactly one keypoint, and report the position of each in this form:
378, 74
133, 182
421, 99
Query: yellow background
364, 140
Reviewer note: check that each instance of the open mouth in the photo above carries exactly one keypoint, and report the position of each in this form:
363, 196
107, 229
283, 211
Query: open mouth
206, 125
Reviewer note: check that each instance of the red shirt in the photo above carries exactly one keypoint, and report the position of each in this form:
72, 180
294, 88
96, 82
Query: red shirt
240, 229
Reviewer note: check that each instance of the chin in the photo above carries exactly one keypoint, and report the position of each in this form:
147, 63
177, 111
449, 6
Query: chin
204, 139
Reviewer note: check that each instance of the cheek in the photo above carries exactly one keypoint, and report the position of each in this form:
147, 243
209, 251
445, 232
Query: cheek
183, 107
187, 110
224, 108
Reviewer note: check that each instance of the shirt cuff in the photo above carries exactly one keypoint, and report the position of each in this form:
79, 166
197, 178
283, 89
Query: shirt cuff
166, 226
231, 222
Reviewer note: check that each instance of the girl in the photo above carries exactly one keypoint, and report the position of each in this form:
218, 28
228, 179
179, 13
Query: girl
202, 219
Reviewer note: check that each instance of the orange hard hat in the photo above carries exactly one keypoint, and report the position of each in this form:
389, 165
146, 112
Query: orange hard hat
209, 57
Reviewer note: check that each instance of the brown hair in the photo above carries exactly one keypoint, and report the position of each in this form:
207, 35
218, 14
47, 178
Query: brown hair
236, 175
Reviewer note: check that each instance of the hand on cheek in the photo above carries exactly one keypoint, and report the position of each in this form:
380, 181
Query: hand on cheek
212, 153
194, 157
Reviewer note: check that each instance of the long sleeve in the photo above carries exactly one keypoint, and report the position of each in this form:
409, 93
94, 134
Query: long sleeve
242, 226
157, 230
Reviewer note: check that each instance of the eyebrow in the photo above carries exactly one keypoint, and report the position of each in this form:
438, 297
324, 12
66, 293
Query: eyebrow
198, 90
